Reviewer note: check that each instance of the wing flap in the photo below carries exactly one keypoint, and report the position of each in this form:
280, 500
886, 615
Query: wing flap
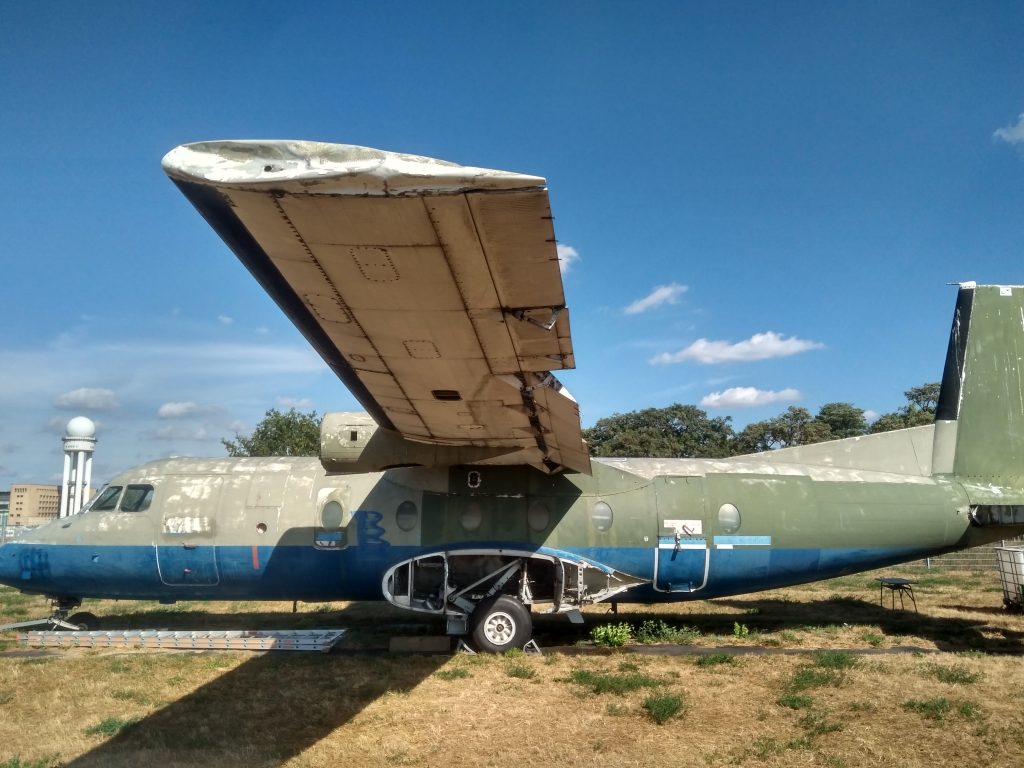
439, 293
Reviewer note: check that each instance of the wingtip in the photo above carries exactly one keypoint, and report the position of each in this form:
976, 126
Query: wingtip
322, 168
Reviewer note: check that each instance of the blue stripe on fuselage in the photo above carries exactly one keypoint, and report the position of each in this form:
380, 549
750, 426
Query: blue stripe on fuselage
306, 573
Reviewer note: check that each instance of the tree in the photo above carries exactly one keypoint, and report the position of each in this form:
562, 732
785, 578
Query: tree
925, 397
919, 410
794, 426
678, 431
843, 419
279, 434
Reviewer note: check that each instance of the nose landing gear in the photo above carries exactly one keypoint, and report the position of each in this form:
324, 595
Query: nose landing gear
59, 619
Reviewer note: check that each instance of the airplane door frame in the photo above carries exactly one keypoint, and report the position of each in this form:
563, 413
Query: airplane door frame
186, 538
683, 534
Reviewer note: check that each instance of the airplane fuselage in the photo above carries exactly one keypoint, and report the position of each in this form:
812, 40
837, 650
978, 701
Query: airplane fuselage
659, 530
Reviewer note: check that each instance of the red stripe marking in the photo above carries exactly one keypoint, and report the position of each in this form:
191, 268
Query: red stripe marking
255, 557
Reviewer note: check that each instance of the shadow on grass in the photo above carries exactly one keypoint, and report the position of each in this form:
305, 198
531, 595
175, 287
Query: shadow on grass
775, 615
948, 634
370, 625
262, 712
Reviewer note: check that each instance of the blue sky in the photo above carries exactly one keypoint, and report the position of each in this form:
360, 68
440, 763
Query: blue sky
800, 181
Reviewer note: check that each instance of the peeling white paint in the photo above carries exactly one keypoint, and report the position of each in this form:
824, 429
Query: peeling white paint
321, 168
187, 525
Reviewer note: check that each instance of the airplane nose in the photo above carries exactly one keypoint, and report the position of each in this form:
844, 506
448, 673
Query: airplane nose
10, 573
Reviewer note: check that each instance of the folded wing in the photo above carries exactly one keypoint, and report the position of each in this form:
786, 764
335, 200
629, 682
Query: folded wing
431, 289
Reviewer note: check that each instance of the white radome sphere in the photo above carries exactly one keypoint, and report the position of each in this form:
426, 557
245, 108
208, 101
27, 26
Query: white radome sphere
80, 426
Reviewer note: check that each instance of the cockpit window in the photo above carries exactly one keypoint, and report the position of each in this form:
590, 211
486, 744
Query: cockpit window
107, 499
137, 498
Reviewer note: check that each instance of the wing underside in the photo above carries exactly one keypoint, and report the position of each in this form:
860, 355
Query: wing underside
432, 290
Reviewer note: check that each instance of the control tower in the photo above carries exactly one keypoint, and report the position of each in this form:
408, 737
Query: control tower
79, 443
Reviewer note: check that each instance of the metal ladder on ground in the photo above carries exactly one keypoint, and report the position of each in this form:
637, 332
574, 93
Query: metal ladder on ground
322, 640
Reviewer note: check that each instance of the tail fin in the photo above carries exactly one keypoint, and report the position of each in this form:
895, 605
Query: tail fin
979, 421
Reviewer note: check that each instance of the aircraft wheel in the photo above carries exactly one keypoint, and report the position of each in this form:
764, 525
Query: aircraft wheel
85, 621
500, 624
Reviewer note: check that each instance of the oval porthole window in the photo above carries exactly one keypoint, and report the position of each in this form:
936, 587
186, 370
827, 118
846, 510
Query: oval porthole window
538, 516
406, 515
729, 518
472, 516
601, 516
331, 515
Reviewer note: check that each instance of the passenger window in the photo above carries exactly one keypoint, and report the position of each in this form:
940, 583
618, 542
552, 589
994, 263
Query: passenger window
107, 499
137, 498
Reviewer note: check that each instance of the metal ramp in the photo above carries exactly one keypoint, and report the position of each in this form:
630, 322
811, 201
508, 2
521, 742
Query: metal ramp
322, 640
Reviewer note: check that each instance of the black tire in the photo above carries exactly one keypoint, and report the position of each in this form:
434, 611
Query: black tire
85, 621
500, 624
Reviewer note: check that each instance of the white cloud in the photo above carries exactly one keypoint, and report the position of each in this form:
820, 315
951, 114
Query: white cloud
663, 294
567, 256
1012, 134
225, 319
748, 397
291, 402
871, 416
262, 330
175, 410
176, 432
760, 346
87, 398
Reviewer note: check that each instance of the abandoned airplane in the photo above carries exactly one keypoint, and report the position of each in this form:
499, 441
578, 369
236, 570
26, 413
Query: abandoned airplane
433, 291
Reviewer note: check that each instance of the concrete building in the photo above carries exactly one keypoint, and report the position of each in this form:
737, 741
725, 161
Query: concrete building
33, 504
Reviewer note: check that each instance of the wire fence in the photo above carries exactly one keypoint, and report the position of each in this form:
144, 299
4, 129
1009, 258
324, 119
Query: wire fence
974, 559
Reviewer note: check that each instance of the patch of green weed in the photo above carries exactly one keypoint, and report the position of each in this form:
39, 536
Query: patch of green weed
600, 682
817, 724
17, 762
809, 677
834, 659
612, 635
932, 709
664, 707
970, 710
455, 673
740, 631
795, 701
958, 674
765, 747
658, 631
135, 696
873, 639
111, 726
520, 670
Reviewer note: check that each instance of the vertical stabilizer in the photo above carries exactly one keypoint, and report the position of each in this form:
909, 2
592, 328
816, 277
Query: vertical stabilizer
979, 421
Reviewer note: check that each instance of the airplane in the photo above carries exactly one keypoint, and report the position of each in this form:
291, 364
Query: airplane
466, 491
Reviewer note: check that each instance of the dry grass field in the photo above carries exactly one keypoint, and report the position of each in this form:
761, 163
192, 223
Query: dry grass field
812, 676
